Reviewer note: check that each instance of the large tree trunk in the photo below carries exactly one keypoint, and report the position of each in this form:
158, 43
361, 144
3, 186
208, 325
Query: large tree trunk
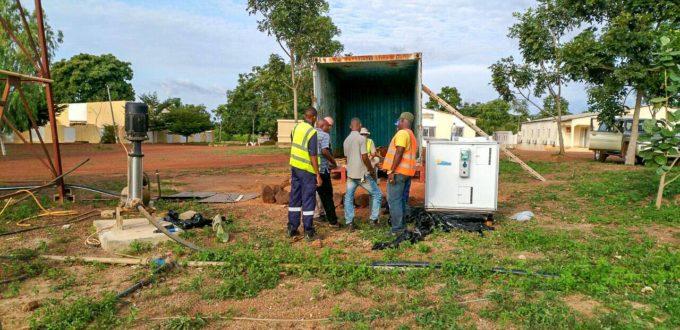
632, 145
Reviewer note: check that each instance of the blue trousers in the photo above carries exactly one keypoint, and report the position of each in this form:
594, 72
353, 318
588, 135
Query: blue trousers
396, 194
302, 199
369, 185
407, 193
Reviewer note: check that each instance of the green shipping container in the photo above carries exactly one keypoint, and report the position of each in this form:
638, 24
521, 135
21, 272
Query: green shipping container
373, 88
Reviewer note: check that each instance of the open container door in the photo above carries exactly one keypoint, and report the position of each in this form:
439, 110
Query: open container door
373, 88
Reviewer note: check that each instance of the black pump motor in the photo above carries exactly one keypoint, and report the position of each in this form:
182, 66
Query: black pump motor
136, 121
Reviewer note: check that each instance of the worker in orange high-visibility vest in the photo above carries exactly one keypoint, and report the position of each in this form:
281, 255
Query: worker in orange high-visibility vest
400, 164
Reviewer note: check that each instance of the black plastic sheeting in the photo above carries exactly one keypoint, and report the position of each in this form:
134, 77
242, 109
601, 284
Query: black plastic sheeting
197, 221
426, 222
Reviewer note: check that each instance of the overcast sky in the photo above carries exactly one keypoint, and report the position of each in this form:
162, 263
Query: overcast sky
195, 49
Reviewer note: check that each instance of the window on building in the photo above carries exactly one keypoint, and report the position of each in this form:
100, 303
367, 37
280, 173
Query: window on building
428, 116
456, 131
428, 132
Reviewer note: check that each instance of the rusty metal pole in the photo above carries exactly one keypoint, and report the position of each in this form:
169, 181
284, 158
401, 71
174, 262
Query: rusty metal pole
50, 100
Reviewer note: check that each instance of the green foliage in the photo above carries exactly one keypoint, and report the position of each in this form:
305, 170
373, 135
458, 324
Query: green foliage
544, 313
540, 32
260, 98
550, 107
137, 247
303, 31
84, 77
448, 94
13, 59
663, 140
615, 50
493, 115
187, 119
109, 134
245, 273
265, 150
186, 323
301, 26
78, 314
157, 108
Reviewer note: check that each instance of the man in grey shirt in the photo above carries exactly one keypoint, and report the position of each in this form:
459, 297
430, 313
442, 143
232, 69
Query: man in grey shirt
360, 173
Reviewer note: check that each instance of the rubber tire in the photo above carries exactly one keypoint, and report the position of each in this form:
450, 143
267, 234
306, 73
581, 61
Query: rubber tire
600, 156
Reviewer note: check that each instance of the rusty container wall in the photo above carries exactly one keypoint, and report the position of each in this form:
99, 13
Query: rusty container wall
374, 88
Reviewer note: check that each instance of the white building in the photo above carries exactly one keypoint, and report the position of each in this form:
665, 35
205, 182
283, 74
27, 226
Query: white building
442, 125
540, 134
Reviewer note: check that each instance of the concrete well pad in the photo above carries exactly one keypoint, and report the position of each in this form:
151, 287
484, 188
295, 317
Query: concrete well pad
137, 229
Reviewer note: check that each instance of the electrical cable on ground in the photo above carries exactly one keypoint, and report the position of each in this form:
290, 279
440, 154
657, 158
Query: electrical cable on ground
164, 267
45, 212
90, 240
78, 218
49, 184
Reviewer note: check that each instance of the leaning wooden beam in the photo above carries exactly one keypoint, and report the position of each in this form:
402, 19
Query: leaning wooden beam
25, 77
128, 261
479, 131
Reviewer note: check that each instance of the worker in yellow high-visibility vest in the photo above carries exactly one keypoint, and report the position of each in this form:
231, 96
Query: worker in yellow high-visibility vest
370, 146
304, 163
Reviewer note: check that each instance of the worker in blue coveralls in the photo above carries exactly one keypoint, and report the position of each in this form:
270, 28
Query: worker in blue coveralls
304, 178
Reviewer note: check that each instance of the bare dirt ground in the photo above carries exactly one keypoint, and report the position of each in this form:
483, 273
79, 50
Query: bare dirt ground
110, 159
223, 169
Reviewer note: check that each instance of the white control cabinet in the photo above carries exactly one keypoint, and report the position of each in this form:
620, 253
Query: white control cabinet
462, 176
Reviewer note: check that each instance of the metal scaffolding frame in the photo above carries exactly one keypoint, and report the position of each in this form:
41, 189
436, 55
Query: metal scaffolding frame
13, 82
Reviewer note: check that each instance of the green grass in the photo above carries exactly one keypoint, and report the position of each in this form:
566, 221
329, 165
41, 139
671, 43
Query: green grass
597, 243
186, 323
263, 150
83, 312
138, 247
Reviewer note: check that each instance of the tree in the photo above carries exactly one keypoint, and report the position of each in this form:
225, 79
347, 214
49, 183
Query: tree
550, 107
13, 59
260, 98
188, 119
540, 32
664, 140
302, 30
157, 108
616, 50
495, 115
84, 77
448, 94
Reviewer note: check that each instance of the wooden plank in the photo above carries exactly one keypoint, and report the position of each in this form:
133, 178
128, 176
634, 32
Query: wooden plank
479, 131
25, 77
